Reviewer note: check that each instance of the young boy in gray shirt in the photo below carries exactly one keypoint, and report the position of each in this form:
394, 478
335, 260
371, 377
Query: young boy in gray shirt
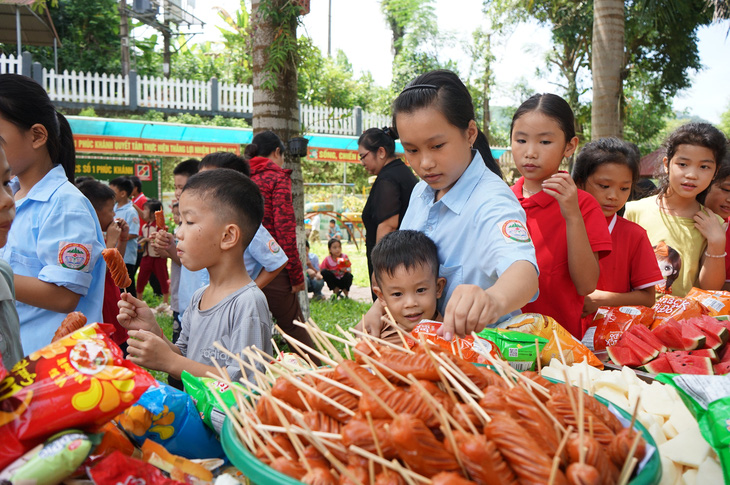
220, 211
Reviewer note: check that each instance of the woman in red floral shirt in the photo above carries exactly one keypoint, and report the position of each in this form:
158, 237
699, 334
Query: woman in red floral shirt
265, 154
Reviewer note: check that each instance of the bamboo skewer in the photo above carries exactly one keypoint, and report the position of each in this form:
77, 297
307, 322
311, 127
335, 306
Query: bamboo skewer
379, 341
556, 458
560, 347
468, 399
374, 363
537, 356
394, 465
372, 393
434, 405
300, 346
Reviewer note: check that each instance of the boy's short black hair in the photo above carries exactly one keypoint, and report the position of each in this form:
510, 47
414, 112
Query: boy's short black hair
332, 221
153, 205
404, 248
124, 184
82, 179
189, 167
136, 182
723, 170
226, 160
232, 195
96, 192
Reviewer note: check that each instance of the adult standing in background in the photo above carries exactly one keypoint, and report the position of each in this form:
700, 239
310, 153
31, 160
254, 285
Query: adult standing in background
391, 191
265, 154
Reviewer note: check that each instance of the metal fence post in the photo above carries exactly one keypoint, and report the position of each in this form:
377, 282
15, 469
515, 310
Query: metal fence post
26, 62
133, 90
357, 112
214, 105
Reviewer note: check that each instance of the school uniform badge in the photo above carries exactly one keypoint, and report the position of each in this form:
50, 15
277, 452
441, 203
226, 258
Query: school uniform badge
74, 255
274, 246
514, 231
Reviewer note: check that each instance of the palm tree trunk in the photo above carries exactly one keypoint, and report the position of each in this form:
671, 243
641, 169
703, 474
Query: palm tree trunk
277, 110
607, 62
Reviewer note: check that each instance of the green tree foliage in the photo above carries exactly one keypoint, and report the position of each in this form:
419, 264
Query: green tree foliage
725, 121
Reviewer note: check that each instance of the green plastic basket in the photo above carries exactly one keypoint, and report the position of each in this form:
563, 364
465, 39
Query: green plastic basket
262, 474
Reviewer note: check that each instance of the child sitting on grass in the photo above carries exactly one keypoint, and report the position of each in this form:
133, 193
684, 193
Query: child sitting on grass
406, 265
220, 210
335, 270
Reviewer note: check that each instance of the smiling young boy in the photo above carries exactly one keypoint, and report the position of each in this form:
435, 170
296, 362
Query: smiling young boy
220, 211
406, 265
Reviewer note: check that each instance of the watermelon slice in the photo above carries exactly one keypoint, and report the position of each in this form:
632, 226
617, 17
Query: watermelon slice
622, 355
670, 334
710, 326
712, 341
723, 354
644, 351
645, 334
704, 353
692, 337
689, 364
659, 365
722, 368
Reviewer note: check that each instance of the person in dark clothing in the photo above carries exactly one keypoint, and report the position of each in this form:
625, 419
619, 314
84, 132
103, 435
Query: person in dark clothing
391, 191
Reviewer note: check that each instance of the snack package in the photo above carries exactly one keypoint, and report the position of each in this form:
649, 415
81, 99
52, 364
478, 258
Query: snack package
291, 360
168, 416
80, 381
202, 390
112, 439
546, 327
517, 348
457, 346
716, 302
677, 308
177, 467
708, 399
53, 461
118, 468
612, 322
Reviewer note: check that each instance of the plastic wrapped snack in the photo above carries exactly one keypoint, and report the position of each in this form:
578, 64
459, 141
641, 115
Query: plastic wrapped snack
716, 302
611, 323
544, 326
458, 346
79, 381
119, 468
53, 461
517, 348
169, 417
668, 307
202, 390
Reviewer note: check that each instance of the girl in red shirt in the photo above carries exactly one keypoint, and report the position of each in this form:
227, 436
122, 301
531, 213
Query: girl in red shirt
566, 224
336, 271
608, 169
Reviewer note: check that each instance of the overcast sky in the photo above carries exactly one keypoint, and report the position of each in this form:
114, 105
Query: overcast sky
359, 29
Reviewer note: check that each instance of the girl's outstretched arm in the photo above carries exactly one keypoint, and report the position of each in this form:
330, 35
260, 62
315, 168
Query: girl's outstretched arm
712, 262
644, 297
42, 294
582, 261
470, 308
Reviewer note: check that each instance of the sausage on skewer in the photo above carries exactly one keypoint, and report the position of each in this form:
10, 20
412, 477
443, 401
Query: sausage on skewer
72, 322
115, 262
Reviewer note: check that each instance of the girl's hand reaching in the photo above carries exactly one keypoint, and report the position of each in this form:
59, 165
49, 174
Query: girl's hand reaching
712, 229
563, 189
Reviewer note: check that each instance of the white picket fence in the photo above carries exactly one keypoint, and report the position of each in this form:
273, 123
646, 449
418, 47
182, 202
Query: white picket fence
184, 95
237, 98
85, 87
10, 65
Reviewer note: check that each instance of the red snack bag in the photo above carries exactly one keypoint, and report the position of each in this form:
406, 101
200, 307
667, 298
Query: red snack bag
119, 468
616, 321
461, 347
677, 308
716, 302
80, 381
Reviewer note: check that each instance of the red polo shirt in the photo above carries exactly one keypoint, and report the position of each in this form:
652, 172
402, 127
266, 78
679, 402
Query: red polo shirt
631, 265
558, 296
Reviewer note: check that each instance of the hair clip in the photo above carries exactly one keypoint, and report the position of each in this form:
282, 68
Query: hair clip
419, 86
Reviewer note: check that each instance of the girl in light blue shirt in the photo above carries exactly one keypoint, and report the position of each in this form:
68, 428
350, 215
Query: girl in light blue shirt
461, 203
55, 243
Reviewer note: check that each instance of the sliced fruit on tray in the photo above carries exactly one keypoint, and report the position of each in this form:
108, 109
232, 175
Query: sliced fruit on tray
722, 368
690, 364
658, 365
622, 355
712, 326
723, 354
692, 337
670, 334
645, 335
712, 341
704, 353
643, 350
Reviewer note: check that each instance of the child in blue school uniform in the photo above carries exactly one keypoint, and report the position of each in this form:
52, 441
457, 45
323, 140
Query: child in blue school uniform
55, 243
124, 209
461, 203
11, 351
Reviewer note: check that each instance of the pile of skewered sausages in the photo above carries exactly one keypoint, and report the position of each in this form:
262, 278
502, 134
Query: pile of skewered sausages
396, 416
